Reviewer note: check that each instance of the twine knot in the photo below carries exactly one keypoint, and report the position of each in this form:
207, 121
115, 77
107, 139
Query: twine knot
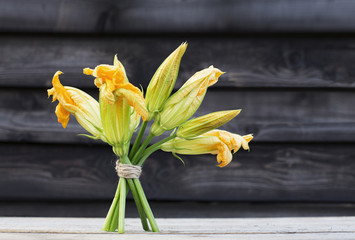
127, 170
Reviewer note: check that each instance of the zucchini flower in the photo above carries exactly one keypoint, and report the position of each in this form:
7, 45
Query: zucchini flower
214, 142
117, 98
163, 81
80, 104
201, 125
233, 141
184, 103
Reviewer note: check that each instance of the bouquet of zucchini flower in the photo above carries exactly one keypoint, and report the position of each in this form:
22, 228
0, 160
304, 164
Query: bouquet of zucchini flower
118, 113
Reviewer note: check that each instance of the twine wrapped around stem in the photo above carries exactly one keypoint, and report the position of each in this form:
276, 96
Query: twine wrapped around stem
128, 170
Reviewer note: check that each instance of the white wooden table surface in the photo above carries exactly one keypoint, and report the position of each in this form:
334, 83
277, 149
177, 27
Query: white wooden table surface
322, 228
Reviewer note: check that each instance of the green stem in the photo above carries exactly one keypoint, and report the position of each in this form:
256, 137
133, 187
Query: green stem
146, 206
138, 204
122, 206
136, 198
138, 140
114, 224
152, 149
142, 148
110, 224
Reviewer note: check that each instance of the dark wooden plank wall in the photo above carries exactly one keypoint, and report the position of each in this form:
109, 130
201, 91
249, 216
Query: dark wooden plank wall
296, 89
250, 62
208, 16
271, 172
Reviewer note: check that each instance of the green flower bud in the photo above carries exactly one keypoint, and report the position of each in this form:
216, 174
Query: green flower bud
163, 81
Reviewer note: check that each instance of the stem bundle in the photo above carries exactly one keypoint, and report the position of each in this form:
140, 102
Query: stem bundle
115, 217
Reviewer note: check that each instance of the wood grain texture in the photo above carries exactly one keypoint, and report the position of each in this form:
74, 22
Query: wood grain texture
174, 236
176, 16
176, 209
272, 116
270, 172
249, 62
173, 229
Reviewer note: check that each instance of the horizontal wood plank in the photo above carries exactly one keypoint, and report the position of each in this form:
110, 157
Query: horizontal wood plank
270, 172
174, 236
173, 229
176, 209
272, 116
177, 16
249, 62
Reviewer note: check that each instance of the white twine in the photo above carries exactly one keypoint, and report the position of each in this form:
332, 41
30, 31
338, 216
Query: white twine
127, 170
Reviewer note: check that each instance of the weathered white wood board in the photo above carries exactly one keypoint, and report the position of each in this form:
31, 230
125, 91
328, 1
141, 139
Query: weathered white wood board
294, 236
229, 228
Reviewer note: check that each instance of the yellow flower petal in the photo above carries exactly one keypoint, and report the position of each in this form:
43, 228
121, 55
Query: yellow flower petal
111, 76
200, 145
213, 142
61, 94
112, 81
224, 156
62, 115
117, 97
233, 141
76, 102
107, 73
134, 98
58, 91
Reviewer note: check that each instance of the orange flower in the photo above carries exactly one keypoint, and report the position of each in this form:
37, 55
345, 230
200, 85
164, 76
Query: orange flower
233, 141
117, 98
113, 83
80, 104
214, 142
